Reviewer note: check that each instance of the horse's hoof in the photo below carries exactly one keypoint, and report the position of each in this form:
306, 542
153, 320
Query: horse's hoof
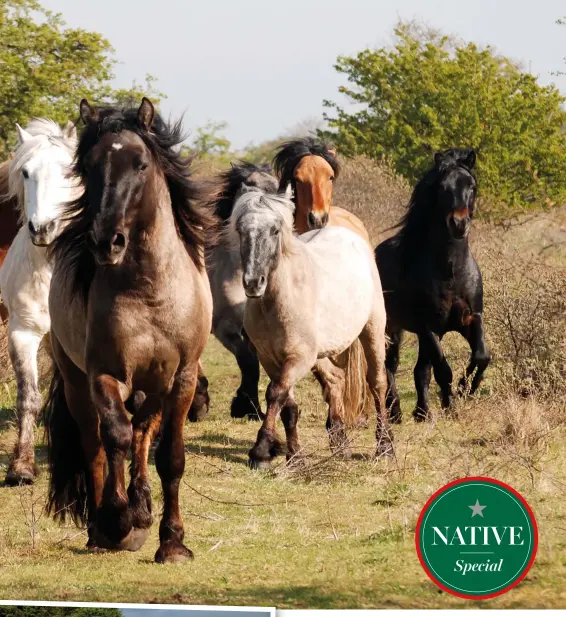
384, 450
396, 418
20, 474
420, 416
261, 465
243, 406
132, 542
197, 413
173, 552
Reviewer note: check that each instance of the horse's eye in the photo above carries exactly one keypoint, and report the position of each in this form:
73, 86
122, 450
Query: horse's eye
142, 166
25, 173
275, 231
331, 178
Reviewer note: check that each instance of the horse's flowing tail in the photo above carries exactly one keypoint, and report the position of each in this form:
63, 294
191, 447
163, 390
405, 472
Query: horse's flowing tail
358, 400
67, 464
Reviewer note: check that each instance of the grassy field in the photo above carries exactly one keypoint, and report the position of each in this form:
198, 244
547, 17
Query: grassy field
334, 535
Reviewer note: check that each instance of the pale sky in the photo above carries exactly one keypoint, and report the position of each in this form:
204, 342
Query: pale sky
263, 66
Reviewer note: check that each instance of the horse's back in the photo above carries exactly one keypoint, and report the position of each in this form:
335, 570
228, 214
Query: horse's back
347, 286
343, 218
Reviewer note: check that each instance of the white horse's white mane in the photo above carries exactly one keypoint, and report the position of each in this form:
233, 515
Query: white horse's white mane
47, 133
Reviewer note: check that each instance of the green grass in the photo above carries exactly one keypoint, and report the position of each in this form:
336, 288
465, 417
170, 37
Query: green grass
338, 535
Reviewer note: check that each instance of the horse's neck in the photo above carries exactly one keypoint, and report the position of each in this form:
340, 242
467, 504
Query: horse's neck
282, 288
154, 240
301, 223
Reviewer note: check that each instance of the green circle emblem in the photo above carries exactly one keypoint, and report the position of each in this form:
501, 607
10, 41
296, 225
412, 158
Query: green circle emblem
476, 538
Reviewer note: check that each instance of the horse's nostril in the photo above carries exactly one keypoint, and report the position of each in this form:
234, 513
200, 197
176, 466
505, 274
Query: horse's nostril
118, 241
261, 280
50, 226
31, 228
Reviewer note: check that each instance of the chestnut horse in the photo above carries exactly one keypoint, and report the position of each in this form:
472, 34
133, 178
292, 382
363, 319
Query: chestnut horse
310, 166
131, 312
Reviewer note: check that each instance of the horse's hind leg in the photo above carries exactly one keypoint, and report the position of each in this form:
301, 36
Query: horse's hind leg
23, 346
422, 374
392, 364
372, 338
201, 401
431, 349
331, 379
480, 357
170, 463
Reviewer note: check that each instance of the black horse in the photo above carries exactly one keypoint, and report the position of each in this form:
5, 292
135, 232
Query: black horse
431, 282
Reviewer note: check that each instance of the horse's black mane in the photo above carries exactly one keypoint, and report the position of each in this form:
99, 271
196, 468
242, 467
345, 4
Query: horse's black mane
424, 196
291, 152
70, 248
230, 182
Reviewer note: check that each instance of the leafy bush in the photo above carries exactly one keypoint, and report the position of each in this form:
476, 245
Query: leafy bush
431, 92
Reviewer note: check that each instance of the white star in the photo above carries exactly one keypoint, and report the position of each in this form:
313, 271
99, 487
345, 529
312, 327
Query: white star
477, 509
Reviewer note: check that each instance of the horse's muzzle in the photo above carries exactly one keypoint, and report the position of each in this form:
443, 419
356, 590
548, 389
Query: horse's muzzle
254, 286
42, 235
317, 220
109, 252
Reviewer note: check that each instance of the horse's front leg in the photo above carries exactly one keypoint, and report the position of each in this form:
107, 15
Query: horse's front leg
201, 401
480, 357
246, 401
431, 349
146, 423
114, 517
22, 347
268, 444
170, 463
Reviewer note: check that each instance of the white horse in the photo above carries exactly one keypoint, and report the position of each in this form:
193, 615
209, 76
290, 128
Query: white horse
309, 299
38, 178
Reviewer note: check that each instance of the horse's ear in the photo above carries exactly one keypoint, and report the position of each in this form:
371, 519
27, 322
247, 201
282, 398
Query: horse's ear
23, 135
289, 192
70, 130
244, 188
146, 113
88, 114
438, 159
332, 151
12, 155
469, 158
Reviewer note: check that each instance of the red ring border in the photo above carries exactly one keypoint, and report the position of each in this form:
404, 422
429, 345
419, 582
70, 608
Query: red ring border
462, 481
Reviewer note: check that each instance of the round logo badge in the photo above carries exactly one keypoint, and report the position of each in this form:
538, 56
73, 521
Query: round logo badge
476, 538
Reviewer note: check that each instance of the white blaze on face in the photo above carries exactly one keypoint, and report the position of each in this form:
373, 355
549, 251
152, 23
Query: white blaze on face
47, 185
117, 146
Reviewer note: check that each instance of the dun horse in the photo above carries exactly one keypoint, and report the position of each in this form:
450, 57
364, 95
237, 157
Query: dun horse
225, 274
38, 183
310, 167
131, 311
309, 298
431, 281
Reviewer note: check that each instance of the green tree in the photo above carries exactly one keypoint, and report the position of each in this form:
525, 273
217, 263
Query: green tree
209, 141
46, 68
429, 92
